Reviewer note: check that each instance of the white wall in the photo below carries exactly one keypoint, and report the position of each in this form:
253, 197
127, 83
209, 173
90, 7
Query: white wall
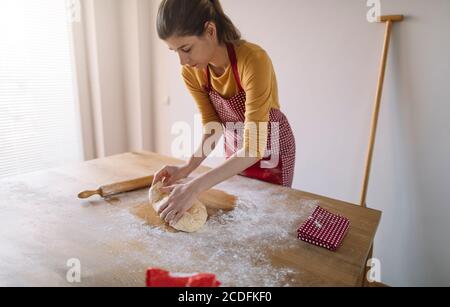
113, 61
326, 56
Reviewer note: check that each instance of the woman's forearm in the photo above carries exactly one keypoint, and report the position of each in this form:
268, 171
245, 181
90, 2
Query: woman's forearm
233, 166
200, 154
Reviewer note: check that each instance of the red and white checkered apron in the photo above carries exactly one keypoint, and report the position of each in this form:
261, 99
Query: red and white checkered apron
280, 145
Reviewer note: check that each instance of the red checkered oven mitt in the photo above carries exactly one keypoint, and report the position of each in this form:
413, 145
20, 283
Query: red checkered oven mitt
324, 229
161, 278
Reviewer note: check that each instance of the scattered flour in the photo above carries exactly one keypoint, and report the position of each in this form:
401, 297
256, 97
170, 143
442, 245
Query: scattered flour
239, 240
235, 245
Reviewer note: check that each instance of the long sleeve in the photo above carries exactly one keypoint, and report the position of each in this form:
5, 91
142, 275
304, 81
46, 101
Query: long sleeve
258, 85
206, 109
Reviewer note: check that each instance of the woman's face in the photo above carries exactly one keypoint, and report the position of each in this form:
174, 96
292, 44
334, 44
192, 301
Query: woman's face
195, 51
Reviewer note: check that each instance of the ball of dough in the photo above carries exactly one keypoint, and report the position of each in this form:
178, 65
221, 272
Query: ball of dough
192, 221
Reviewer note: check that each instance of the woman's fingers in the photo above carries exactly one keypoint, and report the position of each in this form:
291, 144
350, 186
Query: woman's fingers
170, 216
163, 207
163, 212
166, 212
161, 176
174, 219
167, 190
177, 217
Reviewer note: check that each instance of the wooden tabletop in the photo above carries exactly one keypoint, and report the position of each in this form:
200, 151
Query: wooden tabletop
44, 226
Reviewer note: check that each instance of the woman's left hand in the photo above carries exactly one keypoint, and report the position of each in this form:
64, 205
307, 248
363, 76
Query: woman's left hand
181, 199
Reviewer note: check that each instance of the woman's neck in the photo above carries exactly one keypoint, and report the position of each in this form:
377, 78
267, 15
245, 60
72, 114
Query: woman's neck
220, 60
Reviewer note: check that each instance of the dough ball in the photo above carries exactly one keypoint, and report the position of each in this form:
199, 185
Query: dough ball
192, 221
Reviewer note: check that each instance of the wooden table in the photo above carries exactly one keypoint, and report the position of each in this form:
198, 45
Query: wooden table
44, 225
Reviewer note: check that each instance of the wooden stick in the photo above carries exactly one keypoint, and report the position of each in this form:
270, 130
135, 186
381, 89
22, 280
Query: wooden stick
387, 37
120, 187
389, 21
393, 18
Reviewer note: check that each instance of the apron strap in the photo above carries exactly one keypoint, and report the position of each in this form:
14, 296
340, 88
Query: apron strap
233, 60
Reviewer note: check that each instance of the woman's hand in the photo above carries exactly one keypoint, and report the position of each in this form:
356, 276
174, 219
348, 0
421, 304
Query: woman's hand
181, 199
171, 174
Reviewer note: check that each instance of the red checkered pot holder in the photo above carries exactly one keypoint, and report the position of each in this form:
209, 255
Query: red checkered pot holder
324, 229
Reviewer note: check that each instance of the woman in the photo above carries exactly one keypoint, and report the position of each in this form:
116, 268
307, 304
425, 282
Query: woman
233, 83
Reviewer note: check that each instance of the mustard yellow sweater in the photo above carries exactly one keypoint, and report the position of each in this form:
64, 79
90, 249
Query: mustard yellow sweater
258, 81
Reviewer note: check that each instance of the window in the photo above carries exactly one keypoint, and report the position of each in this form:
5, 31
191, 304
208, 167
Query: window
39, 118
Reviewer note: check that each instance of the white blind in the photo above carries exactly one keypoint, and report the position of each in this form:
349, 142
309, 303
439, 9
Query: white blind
39, 126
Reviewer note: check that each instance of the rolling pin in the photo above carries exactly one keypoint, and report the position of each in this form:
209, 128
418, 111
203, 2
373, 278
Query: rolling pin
120, 187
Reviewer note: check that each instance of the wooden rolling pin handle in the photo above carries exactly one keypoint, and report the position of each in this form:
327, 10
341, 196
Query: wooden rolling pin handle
87, 194
120, 187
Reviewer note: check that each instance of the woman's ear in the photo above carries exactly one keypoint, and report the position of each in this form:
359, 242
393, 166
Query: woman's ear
210, 30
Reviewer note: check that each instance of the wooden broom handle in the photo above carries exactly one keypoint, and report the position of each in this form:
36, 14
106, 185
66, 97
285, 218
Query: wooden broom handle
392, 18
389, 21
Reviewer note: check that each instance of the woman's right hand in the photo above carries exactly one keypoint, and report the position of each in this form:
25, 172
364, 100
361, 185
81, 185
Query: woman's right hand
169, 174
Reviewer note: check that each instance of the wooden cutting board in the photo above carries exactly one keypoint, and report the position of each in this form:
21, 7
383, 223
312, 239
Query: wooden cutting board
216, 201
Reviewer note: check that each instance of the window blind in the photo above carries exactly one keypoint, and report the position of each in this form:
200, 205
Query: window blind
39, 121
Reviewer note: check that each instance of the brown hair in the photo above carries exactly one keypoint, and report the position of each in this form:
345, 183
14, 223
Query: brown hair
188, 18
